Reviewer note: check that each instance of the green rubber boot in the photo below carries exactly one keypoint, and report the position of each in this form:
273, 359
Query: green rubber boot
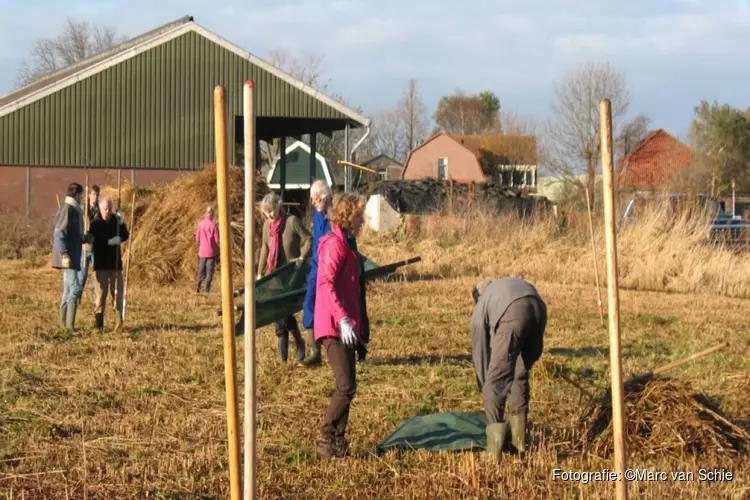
518, 432
63, 315
314, 357
70, 316
496, 439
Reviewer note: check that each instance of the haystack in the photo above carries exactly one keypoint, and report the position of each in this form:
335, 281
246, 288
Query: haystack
662, 417
164, 247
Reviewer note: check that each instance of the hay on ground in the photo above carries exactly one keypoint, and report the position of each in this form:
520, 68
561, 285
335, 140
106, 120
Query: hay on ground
164, 247
662, 417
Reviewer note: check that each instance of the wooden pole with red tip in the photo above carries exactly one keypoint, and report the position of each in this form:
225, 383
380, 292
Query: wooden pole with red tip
249, 314
227, 305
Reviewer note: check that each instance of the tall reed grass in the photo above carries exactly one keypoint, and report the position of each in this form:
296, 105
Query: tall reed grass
659, 251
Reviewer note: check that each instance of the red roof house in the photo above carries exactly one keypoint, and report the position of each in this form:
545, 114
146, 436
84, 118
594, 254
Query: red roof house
654, 162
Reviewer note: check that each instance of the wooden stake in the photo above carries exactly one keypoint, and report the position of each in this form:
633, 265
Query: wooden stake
119, 188
692, 357
225, 242
86, 216
249, 314
130, 247
596, 261
615, 357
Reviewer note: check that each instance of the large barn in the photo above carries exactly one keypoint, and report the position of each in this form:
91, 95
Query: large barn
144, 109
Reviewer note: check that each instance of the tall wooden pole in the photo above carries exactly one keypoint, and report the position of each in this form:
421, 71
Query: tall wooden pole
225, 242
249, 314
28, 194
86, 223
130, 248
119, 188
596, 261
615, 357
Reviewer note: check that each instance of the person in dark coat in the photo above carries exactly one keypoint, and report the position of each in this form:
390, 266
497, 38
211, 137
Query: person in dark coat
507, 328
93, 214
108, 233
67, 252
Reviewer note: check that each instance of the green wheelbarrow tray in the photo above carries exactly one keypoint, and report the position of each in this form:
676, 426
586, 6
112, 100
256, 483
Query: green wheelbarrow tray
282, 293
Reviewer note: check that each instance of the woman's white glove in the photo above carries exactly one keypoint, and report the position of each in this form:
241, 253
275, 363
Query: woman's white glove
348, 335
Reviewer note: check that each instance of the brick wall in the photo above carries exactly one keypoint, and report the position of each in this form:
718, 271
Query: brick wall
48, 182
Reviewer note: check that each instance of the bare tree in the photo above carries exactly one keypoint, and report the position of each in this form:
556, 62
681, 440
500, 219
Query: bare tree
512, 123
413, 114
573, 135
388, 135
77, 41
631, 134
397, 130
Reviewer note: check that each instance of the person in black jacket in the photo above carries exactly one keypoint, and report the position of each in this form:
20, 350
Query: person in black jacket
109, 231
361, 347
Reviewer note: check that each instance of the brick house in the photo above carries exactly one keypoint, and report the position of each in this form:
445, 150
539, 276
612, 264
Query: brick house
506, 159
653, 163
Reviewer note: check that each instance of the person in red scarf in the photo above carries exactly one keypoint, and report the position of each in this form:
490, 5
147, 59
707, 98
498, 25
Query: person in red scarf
338, 321
285, 240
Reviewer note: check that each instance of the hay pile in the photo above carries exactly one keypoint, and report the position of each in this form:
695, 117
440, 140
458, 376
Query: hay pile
664, 417
164, 247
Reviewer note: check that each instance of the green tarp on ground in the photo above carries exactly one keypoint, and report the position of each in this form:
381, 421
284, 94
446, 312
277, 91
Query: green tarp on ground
451, 431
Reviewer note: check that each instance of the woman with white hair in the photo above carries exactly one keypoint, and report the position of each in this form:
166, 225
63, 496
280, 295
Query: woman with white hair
285, 240
320, 200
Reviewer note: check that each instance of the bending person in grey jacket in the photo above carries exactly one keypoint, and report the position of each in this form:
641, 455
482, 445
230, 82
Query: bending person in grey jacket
507, 329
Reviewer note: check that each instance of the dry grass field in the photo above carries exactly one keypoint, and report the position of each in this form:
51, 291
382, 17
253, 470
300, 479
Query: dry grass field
140, 413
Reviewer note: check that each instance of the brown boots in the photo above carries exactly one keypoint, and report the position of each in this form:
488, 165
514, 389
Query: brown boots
332, 447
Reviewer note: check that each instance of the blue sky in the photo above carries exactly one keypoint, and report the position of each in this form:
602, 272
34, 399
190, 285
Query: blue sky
672, 52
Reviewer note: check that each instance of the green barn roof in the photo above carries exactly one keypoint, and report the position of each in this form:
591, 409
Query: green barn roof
148, 103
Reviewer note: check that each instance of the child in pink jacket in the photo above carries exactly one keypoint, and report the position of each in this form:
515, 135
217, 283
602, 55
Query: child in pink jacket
207, 236
338, 316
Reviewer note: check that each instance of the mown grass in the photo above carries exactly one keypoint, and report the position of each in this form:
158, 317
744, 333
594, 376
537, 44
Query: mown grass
141, 413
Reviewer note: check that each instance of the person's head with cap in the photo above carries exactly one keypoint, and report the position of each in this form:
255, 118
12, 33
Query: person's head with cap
479, 289
210, 211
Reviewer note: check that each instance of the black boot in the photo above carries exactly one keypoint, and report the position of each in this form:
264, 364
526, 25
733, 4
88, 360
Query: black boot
99, 318
283, 346
300, 344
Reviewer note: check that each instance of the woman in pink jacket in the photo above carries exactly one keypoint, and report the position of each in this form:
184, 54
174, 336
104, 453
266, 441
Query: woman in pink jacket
207, 237
337, 317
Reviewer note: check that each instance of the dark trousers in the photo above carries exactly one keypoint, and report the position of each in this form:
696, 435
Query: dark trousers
516, 345
206, 266
285, 326
341, 359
